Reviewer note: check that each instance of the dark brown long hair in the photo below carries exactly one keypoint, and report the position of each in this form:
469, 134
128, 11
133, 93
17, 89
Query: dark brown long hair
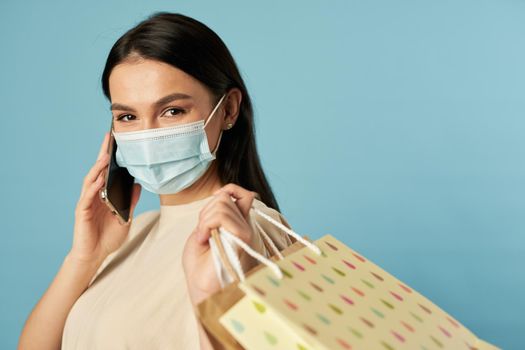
194, 48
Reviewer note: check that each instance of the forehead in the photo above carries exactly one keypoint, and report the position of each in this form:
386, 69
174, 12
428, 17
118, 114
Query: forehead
143, 81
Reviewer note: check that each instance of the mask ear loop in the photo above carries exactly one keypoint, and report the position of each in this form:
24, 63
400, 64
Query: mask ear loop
214, 109
212, 114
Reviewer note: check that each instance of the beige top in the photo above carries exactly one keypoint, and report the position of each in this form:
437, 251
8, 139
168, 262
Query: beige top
138, 297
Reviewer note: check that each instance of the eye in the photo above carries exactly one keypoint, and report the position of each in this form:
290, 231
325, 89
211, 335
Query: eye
126, 116
173, 112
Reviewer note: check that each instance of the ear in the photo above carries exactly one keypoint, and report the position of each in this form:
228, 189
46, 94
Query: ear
232, 107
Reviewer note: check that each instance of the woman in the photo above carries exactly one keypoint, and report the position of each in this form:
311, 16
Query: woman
135, 286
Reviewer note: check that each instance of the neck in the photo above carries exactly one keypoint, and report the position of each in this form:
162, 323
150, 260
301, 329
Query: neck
204, 187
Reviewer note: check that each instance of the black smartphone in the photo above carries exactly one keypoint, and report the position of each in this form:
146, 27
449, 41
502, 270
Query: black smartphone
118, 186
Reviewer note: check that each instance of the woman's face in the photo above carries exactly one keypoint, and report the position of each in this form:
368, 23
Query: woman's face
148, 94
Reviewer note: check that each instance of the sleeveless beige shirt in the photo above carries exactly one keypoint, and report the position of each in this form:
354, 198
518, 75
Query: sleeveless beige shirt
138, 298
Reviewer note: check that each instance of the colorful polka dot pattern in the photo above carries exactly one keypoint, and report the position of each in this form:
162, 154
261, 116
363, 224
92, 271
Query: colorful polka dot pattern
339, 300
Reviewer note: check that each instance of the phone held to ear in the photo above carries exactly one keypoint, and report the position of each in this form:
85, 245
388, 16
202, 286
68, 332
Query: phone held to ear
118, 185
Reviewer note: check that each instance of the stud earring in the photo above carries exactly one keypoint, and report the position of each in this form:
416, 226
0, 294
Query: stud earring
229, 126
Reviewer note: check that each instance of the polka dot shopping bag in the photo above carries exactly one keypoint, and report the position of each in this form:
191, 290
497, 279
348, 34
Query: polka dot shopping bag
325, 295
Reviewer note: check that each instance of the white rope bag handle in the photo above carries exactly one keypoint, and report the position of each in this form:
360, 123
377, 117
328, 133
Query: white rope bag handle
228, 239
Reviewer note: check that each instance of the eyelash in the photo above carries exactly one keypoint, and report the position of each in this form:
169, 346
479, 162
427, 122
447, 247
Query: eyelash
179, 110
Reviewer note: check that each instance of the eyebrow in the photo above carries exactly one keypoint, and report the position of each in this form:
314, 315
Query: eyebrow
160, 102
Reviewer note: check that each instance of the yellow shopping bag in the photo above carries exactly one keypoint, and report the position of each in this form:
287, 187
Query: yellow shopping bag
328, 296
211, 309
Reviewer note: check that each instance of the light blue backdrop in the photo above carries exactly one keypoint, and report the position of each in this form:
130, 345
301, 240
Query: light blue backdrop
397, 126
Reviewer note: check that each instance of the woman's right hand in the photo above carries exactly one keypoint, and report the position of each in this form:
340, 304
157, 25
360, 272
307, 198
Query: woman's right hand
97, 231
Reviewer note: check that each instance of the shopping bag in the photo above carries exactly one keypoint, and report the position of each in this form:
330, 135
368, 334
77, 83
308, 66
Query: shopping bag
211, 309
326, 295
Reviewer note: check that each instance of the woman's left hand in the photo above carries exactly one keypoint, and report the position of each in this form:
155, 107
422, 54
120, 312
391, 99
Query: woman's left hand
221, 211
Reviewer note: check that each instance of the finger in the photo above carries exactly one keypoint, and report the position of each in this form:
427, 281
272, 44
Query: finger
222, 203
215, 214
222, 219
244, 198
219, 200
104, 147
91, 190
219, 196
95, 171
224, 208
194, 245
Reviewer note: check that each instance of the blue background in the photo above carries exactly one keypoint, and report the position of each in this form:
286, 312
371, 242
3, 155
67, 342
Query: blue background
397, 126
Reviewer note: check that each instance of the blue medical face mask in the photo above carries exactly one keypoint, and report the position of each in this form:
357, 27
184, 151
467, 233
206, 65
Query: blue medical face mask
166, 160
